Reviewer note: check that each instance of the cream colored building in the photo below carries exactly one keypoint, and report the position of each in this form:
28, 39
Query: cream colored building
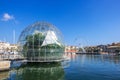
4, 46
7, 47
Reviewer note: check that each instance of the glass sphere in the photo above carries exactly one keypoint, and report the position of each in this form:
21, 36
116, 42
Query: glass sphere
41, 41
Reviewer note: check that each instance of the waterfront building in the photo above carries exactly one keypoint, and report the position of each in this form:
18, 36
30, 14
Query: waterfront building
113, 49
71, 49
109, 48
7, 47
4, 46
13, 47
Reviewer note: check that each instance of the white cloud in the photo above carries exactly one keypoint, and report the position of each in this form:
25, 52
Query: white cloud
7, 17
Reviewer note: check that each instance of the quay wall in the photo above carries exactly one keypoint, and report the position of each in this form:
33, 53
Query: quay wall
4, 65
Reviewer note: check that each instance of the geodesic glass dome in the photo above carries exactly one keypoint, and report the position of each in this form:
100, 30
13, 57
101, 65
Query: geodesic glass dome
41, 41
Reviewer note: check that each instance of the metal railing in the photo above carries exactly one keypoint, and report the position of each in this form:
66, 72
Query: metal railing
10, 57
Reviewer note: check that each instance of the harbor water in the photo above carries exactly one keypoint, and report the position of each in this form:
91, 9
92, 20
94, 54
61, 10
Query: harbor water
79, 67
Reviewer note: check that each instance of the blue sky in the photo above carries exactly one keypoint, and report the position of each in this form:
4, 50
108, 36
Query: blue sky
91, 22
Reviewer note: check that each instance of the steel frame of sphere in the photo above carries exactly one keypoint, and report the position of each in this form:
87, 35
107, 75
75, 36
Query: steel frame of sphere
41, 42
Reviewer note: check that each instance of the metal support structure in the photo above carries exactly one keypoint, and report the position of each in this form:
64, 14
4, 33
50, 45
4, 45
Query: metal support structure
40, 30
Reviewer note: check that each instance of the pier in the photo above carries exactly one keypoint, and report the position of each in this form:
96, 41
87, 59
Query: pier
5, 60
4, 65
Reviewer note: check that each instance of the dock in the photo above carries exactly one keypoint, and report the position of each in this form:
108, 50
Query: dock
6, 59
4, 65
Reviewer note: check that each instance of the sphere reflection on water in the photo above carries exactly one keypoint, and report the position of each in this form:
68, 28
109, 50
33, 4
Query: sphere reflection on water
38, 71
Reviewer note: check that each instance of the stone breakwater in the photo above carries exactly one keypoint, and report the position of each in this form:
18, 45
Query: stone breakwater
4, 65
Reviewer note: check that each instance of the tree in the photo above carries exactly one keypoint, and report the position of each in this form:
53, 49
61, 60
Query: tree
33, 48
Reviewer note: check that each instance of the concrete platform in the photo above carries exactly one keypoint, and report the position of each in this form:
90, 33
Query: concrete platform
4, 65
